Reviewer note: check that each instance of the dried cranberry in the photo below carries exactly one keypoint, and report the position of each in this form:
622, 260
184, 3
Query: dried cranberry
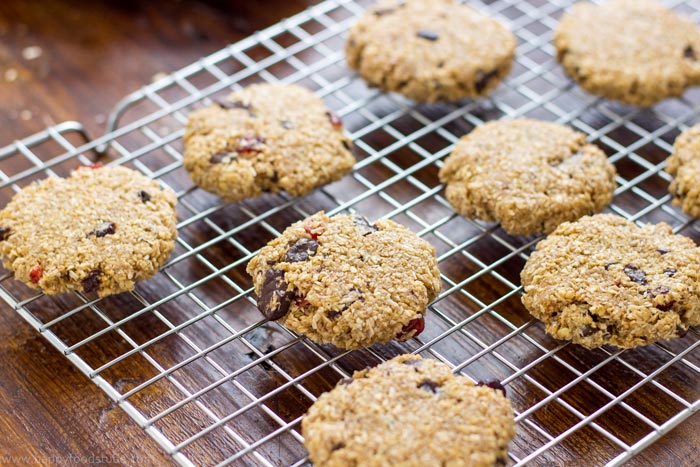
412, 329
91, 282
144, 196
336, 122
35, 274
662, 251
250, 144
106, 228
429, 35
493, 384
96, 165
588, 331
311, 233
4, 233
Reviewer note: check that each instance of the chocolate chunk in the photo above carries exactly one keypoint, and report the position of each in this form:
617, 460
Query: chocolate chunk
333, 315
337, 446
364, 224
428, 385
106, 228
226, 104
635, 274
493, 384
4, 233
301, 250
681, 331
611, 329
689, 53
670, 272
223, 156
346, 144
482, 79
383, 11
662, 251
91, 282
275, 177
250, 144
286, 124
336, 122
607, 266
417, 325
144, 196
429, 35
274, 298
588, 331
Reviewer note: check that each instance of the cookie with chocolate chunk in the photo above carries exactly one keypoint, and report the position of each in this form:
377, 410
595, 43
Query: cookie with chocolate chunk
346, 281
604, 280
266, 138
411, 412
430, 50
528, 175
684, 165
634, 51
100, 230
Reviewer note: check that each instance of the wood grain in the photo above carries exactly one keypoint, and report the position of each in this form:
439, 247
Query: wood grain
94, 54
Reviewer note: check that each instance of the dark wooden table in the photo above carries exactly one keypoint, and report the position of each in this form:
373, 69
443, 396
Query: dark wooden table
72, 60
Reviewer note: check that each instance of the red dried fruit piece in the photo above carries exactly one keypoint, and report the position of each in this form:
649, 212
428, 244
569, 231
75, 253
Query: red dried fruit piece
300, 301
35, 274
336, 122
96, 165
250, 144
312, 233
417, 325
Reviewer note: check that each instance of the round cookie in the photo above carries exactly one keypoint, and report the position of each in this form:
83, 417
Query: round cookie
604, 280
266, 138
430, 50
99, 230
411, 412
528, 175
634, 51
684, 165
345, 281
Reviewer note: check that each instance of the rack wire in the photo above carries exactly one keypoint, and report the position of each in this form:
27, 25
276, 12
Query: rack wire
191, 360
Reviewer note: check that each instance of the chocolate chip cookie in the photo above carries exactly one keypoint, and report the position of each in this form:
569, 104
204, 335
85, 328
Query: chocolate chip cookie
684, 164
347, 281
266, 138
528, 175
604, 280
634, 51
430, 50
411, 412
100, 230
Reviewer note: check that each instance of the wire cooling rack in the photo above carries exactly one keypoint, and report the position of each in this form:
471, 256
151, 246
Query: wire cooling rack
187, 354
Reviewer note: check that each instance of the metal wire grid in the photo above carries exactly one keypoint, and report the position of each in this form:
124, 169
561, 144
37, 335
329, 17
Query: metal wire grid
187, 356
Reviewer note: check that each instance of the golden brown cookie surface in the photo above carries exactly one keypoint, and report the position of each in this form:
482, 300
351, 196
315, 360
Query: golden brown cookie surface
409, 411
528, 175
604, 280
634, 51
266, 138
684, 165
345, 281
101, 230
430, 50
